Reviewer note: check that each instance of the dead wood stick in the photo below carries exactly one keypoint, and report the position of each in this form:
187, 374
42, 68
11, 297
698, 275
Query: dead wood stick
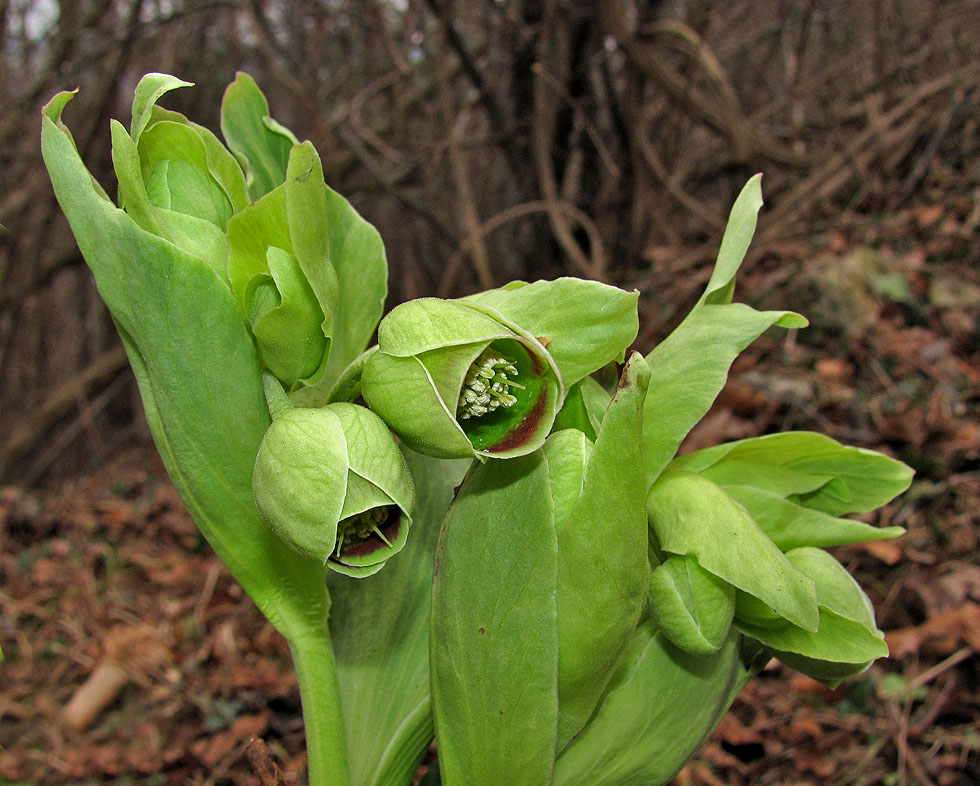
747, 142
94, 695
262, 764
58, 403
544, 118
461, 177
448, 282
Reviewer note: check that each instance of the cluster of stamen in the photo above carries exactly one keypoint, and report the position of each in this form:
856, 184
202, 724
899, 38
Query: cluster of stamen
360, 526
487, 385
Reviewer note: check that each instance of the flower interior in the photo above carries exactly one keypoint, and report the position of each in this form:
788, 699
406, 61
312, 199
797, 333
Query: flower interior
502, 395
358, 528
487, 386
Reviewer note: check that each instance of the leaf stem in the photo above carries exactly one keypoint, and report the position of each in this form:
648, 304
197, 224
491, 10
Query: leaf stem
326, 739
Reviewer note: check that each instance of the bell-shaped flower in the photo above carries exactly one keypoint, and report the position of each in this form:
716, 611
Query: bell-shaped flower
332, 483
456, 379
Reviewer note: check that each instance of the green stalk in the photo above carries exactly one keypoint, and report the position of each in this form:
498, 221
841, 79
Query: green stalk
326, 737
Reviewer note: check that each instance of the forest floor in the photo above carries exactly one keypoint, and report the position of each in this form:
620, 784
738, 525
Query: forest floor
133, 658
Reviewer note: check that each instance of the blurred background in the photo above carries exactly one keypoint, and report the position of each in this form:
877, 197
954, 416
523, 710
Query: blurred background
490, 141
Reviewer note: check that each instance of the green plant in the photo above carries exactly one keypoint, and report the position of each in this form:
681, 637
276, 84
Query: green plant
573, 604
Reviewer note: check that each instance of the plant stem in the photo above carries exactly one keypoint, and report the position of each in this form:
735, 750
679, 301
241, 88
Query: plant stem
326, 739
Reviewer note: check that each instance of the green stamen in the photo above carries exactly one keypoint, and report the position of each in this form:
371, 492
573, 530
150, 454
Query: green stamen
486, 386
360, 526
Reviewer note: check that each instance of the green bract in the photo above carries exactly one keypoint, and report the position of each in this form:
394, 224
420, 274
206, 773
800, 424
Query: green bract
176, 179
332, 483
566, 527
454, 381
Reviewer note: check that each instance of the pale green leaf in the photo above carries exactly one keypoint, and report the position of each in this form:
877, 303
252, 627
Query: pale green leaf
660, 707
691, 515
603, 571
819, 472
309, 231
734, 243
494, 640
567, 452
790, 525
846, 639
358, 258
690, 367
380, 631
693, 607
262, 150
149, 90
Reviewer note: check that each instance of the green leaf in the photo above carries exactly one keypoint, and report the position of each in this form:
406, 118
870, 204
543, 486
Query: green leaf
308, 222
261, 148
494, 639
693, 607
690, 367
659, 708
194, 235
174, 164
815, 470
837, 591
691, 515
184, 334
250, 234
151, 88
221, 162
847, 638
358, 258
603, 571
734, 243
568, 452
596, 399
380, 630
836, 640
288, 326
790, 525
574, 414
584, 324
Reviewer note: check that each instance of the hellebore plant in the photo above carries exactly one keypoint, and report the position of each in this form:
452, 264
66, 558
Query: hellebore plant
462, 534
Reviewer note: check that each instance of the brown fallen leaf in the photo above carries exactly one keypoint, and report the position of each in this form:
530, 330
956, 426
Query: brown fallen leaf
942, 634
257, 754
214, 749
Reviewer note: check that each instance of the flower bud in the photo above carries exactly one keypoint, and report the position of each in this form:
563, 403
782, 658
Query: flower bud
333, 484
455, 379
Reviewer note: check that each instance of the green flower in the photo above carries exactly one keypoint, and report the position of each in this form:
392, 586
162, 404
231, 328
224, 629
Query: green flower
456, 379
332, 483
